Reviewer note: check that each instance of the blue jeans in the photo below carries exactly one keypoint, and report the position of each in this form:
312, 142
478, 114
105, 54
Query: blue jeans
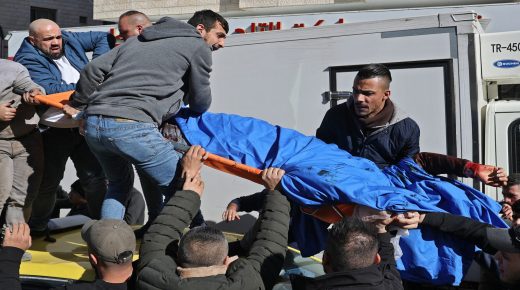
119, 143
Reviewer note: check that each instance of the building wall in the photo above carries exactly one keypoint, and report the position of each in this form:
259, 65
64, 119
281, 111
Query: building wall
111, 9
16, 15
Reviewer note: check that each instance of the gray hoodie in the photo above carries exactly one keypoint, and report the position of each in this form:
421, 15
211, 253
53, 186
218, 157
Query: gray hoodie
147, 77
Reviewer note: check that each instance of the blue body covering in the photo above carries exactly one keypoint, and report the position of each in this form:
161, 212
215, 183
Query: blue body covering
318, 173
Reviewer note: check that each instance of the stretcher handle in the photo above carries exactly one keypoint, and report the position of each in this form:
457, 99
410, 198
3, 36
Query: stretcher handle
227, 165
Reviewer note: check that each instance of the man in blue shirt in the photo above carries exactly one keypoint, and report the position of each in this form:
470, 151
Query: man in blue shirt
54, 59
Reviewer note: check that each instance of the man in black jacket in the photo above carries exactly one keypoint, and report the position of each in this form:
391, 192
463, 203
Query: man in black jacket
503, 243
358, 255
369, 125
198, 260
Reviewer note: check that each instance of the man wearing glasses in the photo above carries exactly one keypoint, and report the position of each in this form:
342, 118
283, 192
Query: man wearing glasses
54, 59
369, 124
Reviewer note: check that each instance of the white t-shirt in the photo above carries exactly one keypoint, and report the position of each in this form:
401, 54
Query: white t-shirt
54, 117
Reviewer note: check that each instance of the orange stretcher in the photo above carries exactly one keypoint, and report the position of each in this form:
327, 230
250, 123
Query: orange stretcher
55, 100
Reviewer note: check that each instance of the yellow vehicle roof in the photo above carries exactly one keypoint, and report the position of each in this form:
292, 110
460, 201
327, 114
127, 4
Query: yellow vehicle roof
67, 258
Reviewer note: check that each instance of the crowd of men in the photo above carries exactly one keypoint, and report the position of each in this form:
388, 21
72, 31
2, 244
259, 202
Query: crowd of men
112, 124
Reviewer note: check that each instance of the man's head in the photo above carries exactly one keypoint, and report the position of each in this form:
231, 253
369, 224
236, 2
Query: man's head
371, 90
212, 27
202, 247
132, 23
45, 35
507, 242
351, 244
511, 191
111, 244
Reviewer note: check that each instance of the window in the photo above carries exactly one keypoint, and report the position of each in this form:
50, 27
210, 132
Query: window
509, 92
39, 12
514, 147
83, 20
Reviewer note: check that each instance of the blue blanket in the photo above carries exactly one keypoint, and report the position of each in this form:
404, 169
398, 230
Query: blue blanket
318, 173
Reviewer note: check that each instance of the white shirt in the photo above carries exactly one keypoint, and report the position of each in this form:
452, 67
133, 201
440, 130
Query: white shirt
54, 117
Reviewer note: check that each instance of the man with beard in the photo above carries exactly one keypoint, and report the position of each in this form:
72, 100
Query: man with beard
54, 59
369, 124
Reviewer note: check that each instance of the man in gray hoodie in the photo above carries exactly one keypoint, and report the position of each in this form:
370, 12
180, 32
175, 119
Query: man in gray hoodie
127, 93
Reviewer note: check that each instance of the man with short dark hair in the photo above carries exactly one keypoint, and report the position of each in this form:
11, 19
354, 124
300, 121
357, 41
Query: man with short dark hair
202, 247
369, 124
357, 255
132, 23
511, 193
126, 108
212, 27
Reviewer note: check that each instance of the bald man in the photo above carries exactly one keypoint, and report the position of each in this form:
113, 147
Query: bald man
54, 59
131, 23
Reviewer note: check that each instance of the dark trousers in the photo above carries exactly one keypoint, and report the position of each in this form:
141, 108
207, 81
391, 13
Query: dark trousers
59, 145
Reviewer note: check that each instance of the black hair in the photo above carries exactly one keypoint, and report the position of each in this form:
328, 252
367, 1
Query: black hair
208, 18
374, 70
202, 247
351, 244
513, 179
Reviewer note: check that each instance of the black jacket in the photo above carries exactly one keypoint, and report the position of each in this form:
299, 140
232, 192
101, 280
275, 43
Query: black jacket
375, 277
385, 146
259, 270
467, 229
10, 259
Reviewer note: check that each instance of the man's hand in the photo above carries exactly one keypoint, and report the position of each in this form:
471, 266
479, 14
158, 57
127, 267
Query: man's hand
271, 177
29, 97
19, 237
192, 160
408, 220
230, 214
70, 111
490, 175
194, 183
507, 211
6, 112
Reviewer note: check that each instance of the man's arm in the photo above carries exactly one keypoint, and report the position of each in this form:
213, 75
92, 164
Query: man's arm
199, 96
465, 228
267, 251
97, 42
434, 164
410, 138
91, 77
16, 242
24, 82
246, 203
41, 74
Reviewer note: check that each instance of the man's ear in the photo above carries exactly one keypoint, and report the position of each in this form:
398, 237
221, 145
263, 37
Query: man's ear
228, 260
93, 259
31, 39
139, 28
201, 29
377, 259
325, 263
387, 94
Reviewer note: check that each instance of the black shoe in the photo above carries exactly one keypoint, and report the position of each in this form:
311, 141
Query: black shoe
44, 233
